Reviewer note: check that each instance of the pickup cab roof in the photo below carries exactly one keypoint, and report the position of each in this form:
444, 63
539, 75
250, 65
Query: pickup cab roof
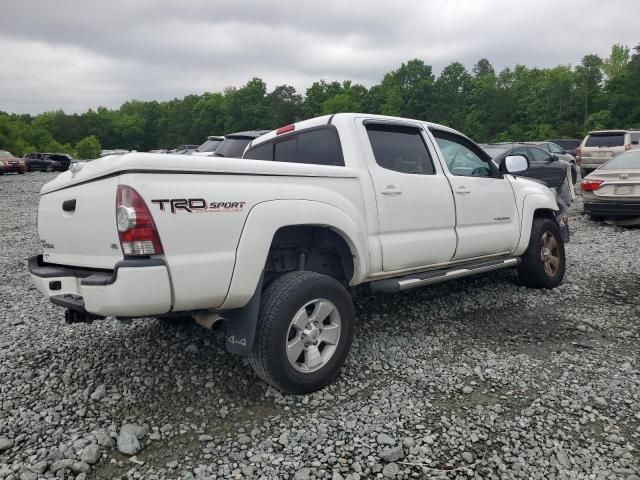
331, 119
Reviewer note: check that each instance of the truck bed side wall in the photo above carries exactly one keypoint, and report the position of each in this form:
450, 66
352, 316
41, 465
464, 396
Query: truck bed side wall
201, 246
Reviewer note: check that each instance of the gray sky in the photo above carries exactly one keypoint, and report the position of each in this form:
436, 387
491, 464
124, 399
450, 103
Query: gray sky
80, 54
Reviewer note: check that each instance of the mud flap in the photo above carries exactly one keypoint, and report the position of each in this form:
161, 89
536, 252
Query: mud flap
242, 323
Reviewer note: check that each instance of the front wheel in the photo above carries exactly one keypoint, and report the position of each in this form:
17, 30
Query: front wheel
304, 332
543, 263
49, 169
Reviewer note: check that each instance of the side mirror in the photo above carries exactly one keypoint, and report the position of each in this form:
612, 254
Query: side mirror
516, 164
554, 157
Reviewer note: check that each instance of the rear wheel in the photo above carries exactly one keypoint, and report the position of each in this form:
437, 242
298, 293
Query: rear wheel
49, 168
543, 263
304, 332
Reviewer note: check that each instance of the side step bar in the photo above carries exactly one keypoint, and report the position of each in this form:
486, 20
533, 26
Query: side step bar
437, 276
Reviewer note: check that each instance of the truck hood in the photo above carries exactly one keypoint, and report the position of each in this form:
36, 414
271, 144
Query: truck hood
166, 163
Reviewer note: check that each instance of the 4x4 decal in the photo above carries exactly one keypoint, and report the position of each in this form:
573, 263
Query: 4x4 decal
197, 205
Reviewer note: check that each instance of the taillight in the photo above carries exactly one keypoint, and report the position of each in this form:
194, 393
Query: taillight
590, 185
579, 155
627, 146
136, 229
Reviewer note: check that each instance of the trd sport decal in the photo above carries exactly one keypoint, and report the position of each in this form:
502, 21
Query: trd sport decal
198, 205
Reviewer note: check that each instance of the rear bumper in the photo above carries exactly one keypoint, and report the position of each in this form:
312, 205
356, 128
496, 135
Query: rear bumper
134, 288
613, 210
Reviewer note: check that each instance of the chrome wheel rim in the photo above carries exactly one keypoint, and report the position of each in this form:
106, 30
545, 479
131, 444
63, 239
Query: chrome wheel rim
313, 335
550, 254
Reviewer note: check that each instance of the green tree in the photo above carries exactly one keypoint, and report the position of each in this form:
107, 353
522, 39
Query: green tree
88, 148
617, 61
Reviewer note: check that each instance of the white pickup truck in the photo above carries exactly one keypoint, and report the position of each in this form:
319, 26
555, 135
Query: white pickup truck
272, 243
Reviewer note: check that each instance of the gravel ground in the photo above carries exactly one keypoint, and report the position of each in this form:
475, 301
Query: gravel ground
477, 378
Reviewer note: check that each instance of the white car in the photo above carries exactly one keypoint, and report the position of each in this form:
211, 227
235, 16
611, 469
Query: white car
600, 146
272, 243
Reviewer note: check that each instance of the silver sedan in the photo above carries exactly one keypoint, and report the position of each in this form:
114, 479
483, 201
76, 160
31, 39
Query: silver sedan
613, 190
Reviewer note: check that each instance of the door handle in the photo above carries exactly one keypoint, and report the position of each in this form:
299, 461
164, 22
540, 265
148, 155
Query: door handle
390, 190
462, 190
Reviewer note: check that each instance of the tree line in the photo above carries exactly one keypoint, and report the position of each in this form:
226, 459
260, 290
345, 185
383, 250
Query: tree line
518, 103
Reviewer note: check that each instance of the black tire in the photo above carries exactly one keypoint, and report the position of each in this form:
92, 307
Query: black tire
49, 169
280, 302
531, 271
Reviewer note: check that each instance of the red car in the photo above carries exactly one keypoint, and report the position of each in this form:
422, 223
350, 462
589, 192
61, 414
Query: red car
11, 163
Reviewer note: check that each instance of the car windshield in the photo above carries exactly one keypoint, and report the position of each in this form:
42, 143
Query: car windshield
4, 153
624, 161
232, 147
496, 151
209, 146
605, 139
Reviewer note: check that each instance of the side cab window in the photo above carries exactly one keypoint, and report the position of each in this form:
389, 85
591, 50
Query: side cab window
463, 157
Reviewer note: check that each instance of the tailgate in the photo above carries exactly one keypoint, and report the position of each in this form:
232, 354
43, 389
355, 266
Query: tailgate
599, 155
77, 225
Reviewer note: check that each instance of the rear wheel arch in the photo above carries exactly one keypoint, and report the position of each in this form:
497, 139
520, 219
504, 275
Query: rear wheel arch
264, 222
311, 247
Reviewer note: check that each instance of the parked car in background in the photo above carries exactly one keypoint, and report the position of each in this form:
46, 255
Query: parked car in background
600, 146
559, 152
209, 146
545, 167
48, 162
613, 189
234, 144
9, 163
569, 145
63, 159
39, 162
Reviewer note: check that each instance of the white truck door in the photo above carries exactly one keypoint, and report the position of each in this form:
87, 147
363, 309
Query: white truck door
416, 215
487, 220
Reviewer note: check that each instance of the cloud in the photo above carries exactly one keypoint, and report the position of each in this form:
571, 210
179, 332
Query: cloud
79, 54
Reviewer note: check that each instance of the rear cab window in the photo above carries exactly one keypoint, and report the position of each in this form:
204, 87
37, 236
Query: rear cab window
605, 139
317, 146
634, 138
